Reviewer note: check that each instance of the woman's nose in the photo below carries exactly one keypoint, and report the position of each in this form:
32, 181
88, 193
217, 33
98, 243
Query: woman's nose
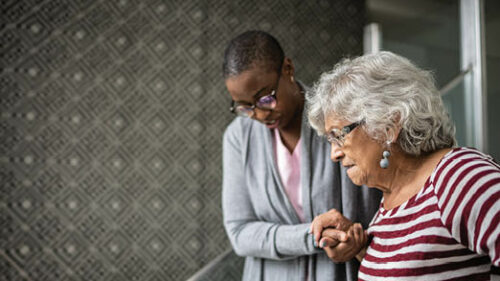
336, 153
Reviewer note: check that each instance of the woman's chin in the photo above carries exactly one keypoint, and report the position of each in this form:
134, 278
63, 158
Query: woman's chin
356, 182
273, 125
353, 174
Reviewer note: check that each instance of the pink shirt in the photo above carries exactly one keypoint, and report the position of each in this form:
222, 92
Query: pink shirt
289, 170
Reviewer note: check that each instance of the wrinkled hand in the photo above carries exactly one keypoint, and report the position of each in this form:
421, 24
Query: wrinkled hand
331, 219
348, 247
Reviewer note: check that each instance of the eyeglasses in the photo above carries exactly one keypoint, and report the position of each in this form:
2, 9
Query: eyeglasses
337, 137
267, 102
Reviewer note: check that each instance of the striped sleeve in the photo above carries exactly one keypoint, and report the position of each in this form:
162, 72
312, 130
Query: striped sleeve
467, 186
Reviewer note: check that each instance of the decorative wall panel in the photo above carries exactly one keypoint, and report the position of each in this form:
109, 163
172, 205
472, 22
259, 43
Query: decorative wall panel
112, 115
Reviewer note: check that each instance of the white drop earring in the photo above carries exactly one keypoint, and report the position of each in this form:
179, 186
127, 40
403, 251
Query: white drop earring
384, 163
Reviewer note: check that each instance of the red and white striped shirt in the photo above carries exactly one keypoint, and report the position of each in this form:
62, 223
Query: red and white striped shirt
448, 231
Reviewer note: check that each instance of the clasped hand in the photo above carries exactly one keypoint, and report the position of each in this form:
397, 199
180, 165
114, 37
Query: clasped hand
341, 239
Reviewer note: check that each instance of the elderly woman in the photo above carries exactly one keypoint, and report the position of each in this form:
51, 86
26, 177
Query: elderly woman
439, 218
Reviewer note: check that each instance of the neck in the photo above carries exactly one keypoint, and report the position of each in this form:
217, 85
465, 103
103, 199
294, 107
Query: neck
293, 126
290, 134
408, 176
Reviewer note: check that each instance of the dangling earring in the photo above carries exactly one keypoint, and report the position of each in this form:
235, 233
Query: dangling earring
384, 163
292, 79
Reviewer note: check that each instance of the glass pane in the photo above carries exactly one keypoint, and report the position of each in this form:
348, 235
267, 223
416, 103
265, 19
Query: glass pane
454, 101
428, 33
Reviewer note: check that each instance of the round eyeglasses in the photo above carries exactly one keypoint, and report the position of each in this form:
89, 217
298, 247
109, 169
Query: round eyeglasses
337, 137
267, 102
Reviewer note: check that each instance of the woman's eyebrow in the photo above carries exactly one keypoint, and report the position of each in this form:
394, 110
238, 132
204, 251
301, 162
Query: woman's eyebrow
254, 95
259, 92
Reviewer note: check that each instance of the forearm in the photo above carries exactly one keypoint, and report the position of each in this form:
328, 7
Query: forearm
269, 240
295, 240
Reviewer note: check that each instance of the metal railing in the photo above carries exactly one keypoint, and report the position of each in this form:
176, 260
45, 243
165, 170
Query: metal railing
455, 81
225, 267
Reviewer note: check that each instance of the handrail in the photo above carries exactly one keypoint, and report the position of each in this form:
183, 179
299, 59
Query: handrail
210, 266
455, 81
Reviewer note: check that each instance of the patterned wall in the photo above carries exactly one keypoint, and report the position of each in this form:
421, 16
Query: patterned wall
112, 114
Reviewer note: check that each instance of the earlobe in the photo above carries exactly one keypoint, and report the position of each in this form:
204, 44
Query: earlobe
394, 134
394, 131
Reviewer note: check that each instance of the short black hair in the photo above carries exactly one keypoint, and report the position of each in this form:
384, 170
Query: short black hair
251, 47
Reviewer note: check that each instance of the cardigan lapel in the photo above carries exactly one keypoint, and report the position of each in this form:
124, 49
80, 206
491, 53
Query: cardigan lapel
305, 168
279, 189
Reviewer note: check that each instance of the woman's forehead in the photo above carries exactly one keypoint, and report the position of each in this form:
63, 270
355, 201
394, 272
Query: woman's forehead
250, 81
333, 121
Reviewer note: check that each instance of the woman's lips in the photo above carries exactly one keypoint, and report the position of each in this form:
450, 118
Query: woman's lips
272, 124
348, 166
348, 170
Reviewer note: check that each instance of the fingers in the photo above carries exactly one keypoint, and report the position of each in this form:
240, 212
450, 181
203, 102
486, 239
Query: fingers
339, 253
320, 222
337, 220
360, 234
357, 232
328, 242
351, 234
316, 229
332, 218
330, 252
365, 237
335, 234
342, 246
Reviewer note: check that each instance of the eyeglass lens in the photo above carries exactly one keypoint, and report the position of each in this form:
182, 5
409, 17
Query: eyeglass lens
337, 137
266, 102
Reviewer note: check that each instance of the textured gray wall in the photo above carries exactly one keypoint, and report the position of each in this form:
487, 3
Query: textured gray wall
112, 114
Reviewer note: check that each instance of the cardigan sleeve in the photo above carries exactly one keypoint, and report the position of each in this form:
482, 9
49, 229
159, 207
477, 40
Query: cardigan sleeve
250, 236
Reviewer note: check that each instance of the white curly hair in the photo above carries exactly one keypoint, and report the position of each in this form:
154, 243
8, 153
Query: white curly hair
385, 91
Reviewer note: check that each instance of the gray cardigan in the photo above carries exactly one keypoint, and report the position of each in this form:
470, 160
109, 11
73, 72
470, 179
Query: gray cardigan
260, 221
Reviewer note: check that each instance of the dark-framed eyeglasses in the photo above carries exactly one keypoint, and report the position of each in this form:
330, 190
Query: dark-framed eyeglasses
267, 102
337, 137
